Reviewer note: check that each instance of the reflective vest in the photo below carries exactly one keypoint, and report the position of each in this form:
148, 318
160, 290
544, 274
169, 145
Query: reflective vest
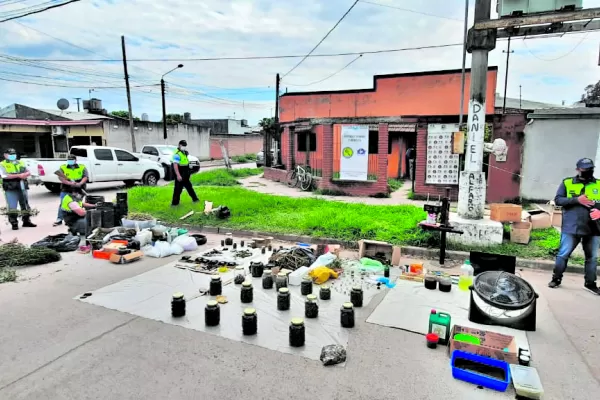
183, 158
12, 167
64, 205
576, 189
73, 174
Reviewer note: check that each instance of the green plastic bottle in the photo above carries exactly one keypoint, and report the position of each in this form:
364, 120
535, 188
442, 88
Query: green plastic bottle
439, 323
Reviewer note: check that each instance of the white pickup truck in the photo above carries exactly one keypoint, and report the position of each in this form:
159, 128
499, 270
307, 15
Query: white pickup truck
104, 164
163, 154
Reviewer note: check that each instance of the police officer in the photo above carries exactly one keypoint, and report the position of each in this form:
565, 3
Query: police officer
71, 175
181, 167
73, 211
14, 182
579, 198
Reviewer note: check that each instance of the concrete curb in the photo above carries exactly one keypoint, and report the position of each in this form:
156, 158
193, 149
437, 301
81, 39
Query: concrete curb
418, 252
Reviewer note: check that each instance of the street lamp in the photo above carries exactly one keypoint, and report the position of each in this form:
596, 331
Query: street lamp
164, 108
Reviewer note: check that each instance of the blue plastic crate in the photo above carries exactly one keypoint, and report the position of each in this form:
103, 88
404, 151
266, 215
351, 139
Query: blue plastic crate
477, 378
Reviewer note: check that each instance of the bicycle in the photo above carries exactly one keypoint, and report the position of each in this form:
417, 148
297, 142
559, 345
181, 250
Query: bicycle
300, 176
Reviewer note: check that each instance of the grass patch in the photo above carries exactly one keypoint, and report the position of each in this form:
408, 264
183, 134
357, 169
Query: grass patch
245, 158
322, 219
223, 176
410, 195
395, 184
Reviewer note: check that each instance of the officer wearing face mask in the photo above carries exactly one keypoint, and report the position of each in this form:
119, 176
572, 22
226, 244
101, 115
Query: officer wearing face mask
72, 176
579, 198
14, 182
181, 167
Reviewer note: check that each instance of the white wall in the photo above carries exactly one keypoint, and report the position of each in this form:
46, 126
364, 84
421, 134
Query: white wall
117, 134
234, 127
551, 150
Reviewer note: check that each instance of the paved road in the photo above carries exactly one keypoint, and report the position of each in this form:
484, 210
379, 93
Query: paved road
47, 203
54, 347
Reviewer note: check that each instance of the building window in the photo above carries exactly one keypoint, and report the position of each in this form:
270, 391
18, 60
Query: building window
373, 142
312, 137
60, 144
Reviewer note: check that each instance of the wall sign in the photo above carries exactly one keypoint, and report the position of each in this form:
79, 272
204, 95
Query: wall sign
354, 163
442, 165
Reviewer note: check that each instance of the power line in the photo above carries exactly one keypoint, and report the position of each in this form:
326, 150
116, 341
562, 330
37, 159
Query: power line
556, 58
411, 11
330, 76
40, 10
322, 40
68, 86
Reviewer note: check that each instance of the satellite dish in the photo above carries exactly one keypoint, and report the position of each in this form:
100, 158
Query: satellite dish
62, 104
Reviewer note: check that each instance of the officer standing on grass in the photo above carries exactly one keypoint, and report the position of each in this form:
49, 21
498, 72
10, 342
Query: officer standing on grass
14, 182
181, 167
579, 198
71, 176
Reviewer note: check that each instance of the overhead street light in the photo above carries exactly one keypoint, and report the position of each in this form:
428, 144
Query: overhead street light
162, 91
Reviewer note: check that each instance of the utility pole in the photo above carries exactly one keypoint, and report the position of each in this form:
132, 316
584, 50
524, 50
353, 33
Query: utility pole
164, 107
507, 51
520, 98
472, 186
77, 99
464, 65
131, 131
277, 82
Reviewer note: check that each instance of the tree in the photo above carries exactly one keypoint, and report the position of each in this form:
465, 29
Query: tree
266, 123
174, 119
123, 114
592, 94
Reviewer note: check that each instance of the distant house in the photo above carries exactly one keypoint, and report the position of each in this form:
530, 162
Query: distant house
513, 104
223, 126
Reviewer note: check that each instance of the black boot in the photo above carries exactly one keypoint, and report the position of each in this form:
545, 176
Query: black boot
27, 223
14, 222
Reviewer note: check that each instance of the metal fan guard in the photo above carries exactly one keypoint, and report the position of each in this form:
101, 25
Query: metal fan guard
504, 290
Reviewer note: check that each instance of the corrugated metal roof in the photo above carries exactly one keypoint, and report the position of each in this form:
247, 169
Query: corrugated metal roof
11, 121
522, 104
74, 115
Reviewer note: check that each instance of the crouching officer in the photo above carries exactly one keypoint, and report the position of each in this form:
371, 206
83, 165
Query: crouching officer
73, 209
579, 198
14, 182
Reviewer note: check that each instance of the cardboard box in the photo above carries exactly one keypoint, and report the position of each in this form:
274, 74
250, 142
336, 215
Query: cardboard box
505, 212
127, 258
369, 248
557, 217
520, 232
540, 219
492, 344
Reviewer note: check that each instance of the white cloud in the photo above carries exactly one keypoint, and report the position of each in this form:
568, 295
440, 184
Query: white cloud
212, 28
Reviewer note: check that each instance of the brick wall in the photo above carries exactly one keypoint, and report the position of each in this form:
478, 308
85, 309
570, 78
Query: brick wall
274, 174
422, 189
236, 145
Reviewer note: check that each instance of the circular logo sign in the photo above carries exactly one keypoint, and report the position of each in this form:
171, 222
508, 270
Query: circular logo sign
348, 152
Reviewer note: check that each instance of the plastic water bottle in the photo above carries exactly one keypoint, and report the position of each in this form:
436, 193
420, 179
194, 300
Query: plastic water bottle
466, 276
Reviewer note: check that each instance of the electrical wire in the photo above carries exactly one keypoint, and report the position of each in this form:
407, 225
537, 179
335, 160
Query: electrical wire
557, 58
322, 40
412, 11
40, 10
66, 86
328, 77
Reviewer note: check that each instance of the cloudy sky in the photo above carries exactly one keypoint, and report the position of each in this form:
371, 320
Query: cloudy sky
550, 69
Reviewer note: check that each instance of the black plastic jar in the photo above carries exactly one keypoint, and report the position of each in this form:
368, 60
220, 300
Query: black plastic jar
356, 296
347, 315
249, 322
306, 286
325, 293
386, 271
311, 307
178, 305
216, 285
257, 269
283, 299
212, 313
247, 293
267, 280
281, 281
297, 332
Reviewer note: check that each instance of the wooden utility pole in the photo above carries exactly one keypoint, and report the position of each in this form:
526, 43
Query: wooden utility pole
507, 51
77, 99
277, 82
131, 131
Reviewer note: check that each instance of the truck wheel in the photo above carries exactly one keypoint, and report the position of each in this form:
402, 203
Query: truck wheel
53, 187
129, 183
150, 178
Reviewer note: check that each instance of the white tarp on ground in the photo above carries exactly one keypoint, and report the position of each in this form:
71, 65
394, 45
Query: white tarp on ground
149, 295
408, 305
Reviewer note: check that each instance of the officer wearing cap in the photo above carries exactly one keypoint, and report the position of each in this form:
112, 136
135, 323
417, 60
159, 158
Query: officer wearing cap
579, 198
71, 175
181, 167
14, 182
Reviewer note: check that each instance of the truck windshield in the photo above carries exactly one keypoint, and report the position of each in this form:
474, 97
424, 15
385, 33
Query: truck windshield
167, 150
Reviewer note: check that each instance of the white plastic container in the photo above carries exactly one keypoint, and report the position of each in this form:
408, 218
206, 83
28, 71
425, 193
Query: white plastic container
526, 382
295, 278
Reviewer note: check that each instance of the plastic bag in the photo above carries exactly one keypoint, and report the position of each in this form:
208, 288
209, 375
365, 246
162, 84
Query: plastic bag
322, 274
323, 261
159, 250
144, 237
130, 223
333, 354
62, 243
176, 249
186, 242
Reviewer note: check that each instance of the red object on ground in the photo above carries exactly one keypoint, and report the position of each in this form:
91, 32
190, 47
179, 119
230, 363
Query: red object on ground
432, 340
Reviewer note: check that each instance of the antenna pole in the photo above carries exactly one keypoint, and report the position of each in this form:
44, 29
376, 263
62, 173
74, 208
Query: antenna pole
78, 98
128, 95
